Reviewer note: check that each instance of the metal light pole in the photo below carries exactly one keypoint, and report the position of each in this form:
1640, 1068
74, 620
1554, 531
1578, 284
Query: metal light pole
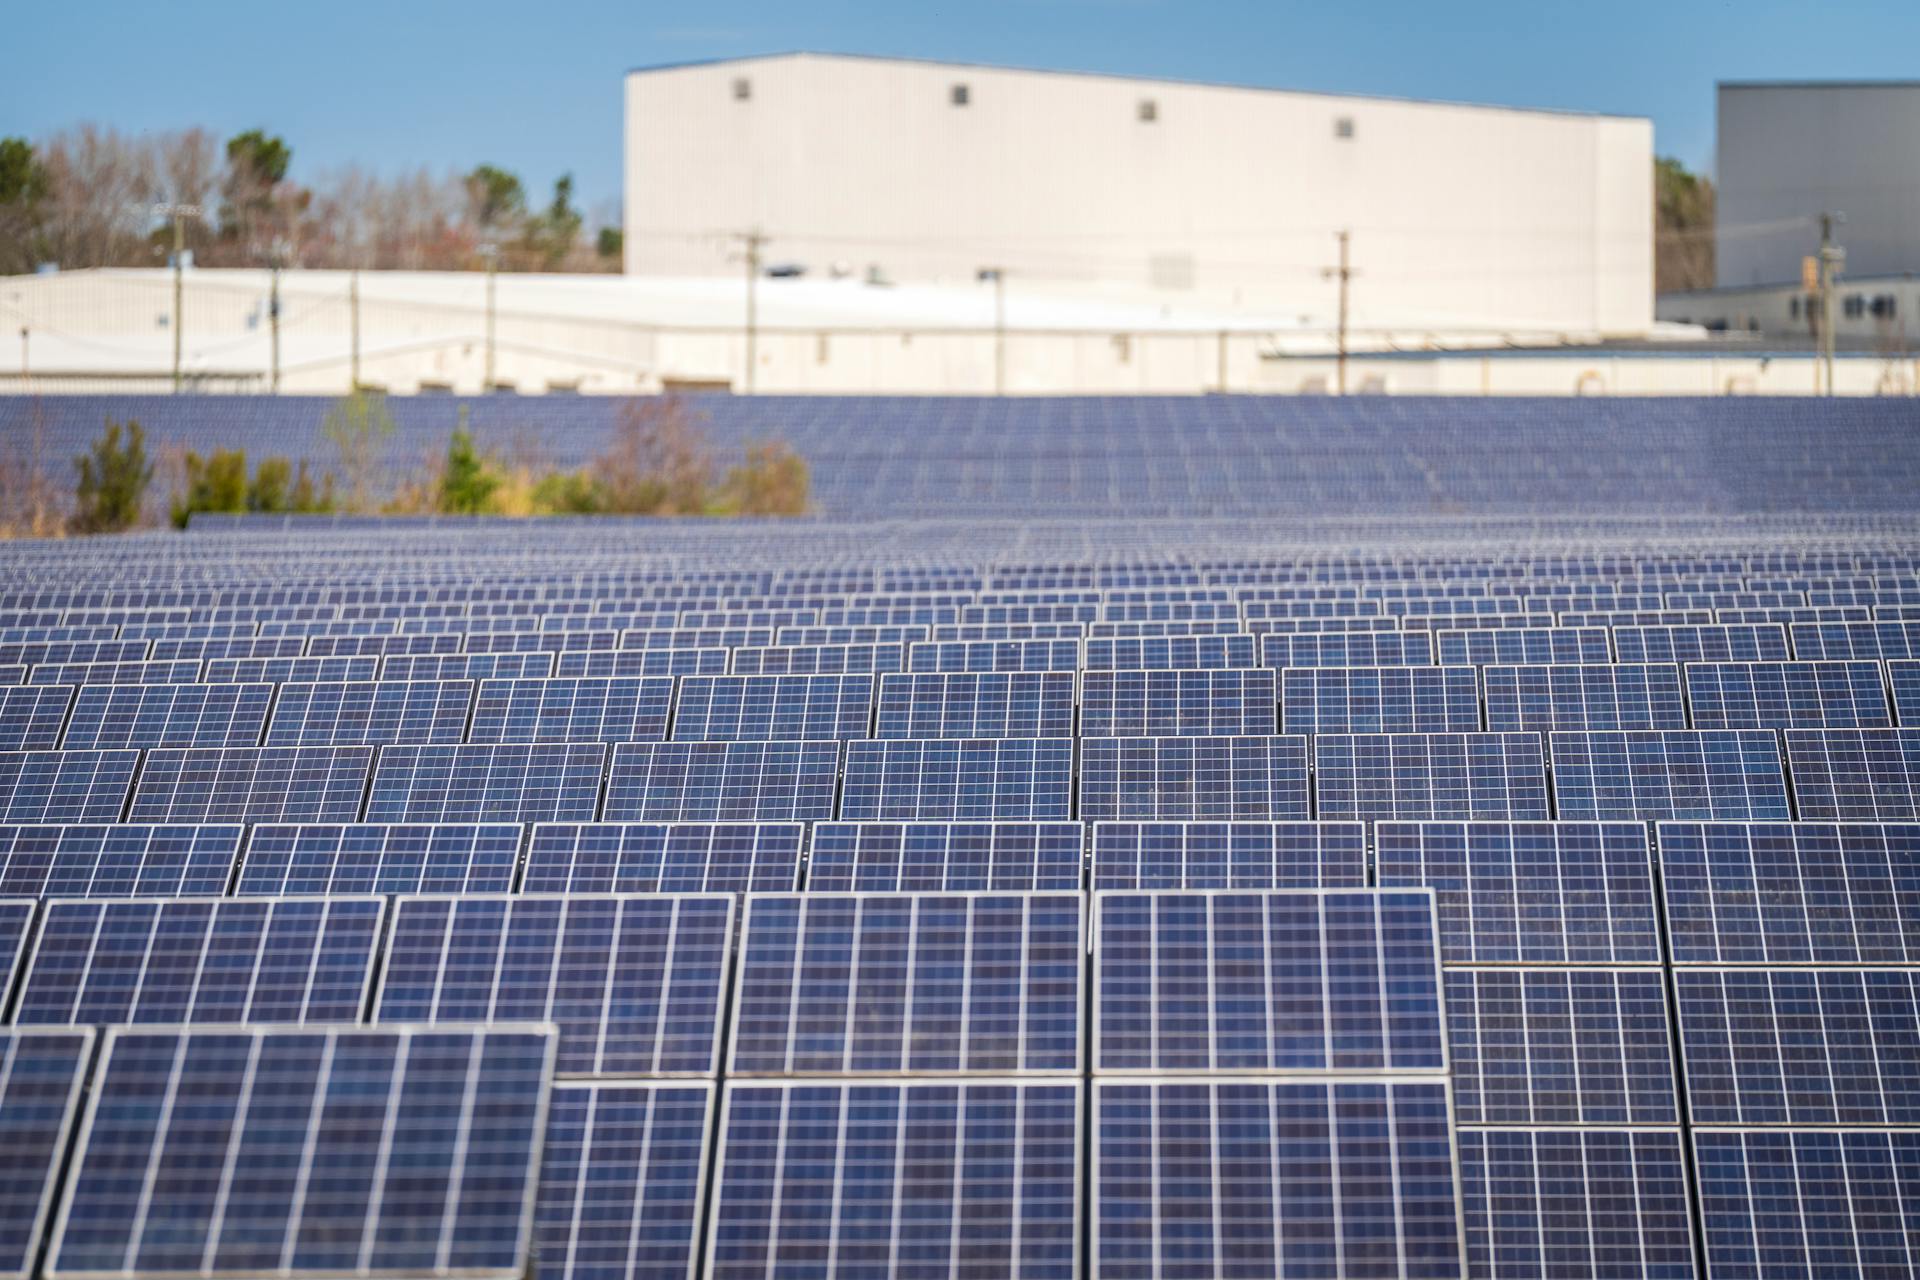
179, 213
1343, 273
1832, 258
491, 252
999, 277
353, 325
276, 259
754, 240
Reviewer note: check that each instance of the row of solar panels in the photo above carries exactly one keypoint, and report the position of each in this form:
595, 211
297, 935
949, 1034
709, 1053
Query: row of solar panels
1321, 700
1531, 893
1702, 774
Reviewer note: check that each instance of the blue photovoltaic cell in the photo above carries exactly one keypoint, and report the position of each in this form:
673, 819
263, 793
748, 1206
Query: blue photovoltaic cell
168, 715
252, 784
1229, 855
1215, 1180
31, 715
994, 655
635, 982
622, 1181
451, 857
491, 782
1485, 645
1168, 703
1792, 892
1194, 779
1904, 676
623, 663
1575, 1204
976, 704
859, 637
99, 860
533, 641
1722, 642
65, 786
1869, 640
772, 708
1704, 774
202, 960
696, 638
469, 666
1530, 892
1812, 1202
1003, 631
41, 1072
362, 668
1560, 1046
1379, 700
630, 709
1285, 980
956, 778
1350, 649
232, 647
1415, 775
321, 646
657, 857
1169, 627
1786, 695
944, 857
421, 1145
1588, 697
1854, 774
721, 782
16, 922
342, 714
935, 1178
180, 672
1800, 1046
12, 673
33, 653
892, 983
820, 659
1173, 653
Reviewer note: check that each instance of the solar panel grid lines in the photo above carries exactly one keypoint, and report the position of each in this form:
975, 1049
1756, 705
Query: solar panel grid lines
42, 1071
65, 786
786, 781
1545, 1203
1719, 642
958, 779
461, 666
635, 982
1903, 680
1703, 774
1595, 696
1430, 775
1209, 652
383, 645
1380, 700
604, 710
32, 716
994, 655
1284, 981
362, 668
16, 927
415, 1173
34, 653
1854, 774
12, 673
1787, 695
1348, 649
976, 704
59, 860
179, 960
250, 784
1249, 778
944, 857
1002, 1197
485, 782
1485, 646
1229, 855
179, 671
1228, 1177
1899, 638
1229, 702
821, 659
384, 858
765, 708
370, 713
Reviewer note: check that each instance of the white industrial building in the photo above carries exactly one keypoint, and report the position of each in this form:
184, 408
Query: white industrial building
1463, 217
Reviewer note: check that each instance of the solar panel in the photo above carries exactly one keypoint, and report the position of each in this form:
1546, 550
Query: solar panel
1437, 775
1170, 703
1706, 774
1210, 652
1584, 697
1856, 640
1349, 649
1560, 1046
1792, 893
168, 715
622, 1181
31, 715
994, 655
1557, 1204
977, 704
1285, 980
12, 673
1194, 779
380, 858
821, 659
1787, 695
77, 673
322, 646
1748, 642
1904, 676
202, 960
1221, 1179
422, 1146
944, 857
630, 709
940, 1178
370, 713
41, 1073
65, 786
534, 641
696, 638
950, 631
891, 983
864, 636
722, 782
1846, 774
772, 708
1228, 855
230, 647
99, 860
1169, 627
33, 653
1817, 1202
1379, 700
466, 666
1484, 646
652, 857
252, 784
363, 668
16, 924
492, 782
624, 663
635, 982
958, 778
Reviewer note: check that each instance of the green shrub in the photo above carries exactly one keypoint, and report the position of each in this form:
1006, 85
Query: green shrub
359, 426
467, 483
217, 484
772, 481
566, 493
113, 481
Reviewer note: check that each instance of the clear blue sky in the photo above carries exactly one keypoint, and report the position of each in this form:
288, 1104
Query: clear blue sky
536, 87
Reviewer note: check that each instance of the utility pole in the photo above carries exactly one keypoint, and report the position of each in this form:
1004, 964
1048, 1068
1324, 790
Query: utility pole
754, 241
1343, 273
491, 252
179, 213
276, 258
1832, 258
999, 277
26, 374
353, 324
